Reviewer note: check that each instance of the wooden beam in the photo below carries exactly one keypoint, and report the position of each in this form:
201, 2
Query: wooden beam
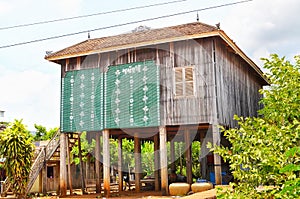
81, 165
203, 160
137, 158
63, 167
97, 163
120, 161
69, 165
172, 154
106, 163
163, 160
156, 162
217, 158
44, 179
188, 156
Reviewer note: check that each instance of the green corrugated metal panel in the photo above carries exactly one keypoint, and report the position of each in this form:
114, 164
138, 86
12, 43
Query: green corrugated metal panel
132, 93
126, 96
81, 101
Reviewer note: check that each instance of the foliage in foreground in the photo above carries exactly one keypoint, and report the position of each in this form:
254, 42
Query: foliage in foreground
16, 146
264, 154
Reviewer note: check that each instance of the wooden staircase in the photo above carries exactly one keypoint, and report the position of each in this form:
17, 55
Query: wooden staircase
42, 158
51, 150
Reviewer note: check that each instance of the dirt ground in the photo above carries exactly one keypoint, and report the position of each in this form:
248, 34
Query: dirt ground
210, 194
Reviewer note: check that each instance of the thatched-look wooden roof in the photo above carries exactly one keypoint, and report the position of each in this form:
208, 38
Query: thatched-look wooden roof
142, 38
194, 30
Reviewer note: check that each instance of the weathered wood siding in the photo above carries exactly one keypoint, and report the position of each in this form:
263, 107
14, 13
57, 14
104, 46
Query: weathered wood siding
188, 110
216, 70
237, 86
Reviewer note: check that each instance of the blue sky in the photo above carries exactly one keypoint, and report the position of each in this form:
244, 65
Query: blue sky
30, 85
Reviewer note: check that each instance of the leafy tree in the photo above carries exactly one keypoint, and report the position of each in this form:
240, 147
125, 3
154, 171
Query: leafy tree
40, 132
17, 148
147, 153
43, 134
257, 154
86, 149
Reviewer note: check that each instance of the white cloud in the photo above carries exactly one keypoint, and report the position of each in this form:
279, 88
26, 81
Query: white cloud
262, 27
5, 7
31, 95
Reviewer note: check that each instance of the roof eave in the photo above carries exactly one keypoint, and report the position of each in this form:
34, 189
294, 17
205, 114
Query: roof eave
219, 33
135, 45
238, 51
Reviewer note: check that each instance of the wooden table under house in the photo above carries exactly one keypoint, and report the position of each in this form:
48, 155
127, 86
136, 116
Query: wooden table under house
172, 84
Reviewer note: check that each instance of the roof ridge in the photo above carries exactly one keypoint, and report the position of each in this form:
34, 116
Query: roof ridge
134, 37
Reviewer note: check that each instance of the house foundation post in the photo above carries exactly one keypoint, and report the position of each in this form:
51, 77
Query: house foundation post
106, 163
137, 158
120, 162
217, 158
97, 163
163, 160
156, 162
63, 165
188, 155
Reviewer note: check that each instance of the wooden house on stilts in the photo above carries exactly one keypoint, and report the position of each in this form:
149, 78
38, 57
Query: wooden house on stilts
171, 84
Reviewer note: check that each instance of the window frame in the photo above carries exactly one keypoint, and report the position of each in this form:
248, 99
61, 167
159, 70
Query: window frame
184, 82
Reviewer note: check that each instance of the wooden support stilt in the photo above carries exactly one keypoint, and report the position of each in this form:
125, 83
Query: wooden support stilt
172, 153
120, 161
217, 158
58, 174
44, 179
156, 162
163, 160
97, 163
81, 164
188, 156
69, 165
203, 160
63, 165
137, 158
106, 163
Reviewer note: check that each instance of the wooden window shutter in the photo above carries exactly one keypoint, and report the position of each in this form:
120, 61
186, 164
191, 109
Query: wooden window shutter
178, 82
189, 81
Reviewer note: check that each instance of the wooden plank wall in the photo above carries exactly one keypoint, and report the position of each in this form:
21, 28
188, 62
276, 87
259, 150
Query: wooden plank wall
237, 86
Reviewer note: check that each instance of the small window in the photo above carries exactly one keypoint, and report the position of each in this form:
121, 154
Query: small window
184, 81
50, 172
